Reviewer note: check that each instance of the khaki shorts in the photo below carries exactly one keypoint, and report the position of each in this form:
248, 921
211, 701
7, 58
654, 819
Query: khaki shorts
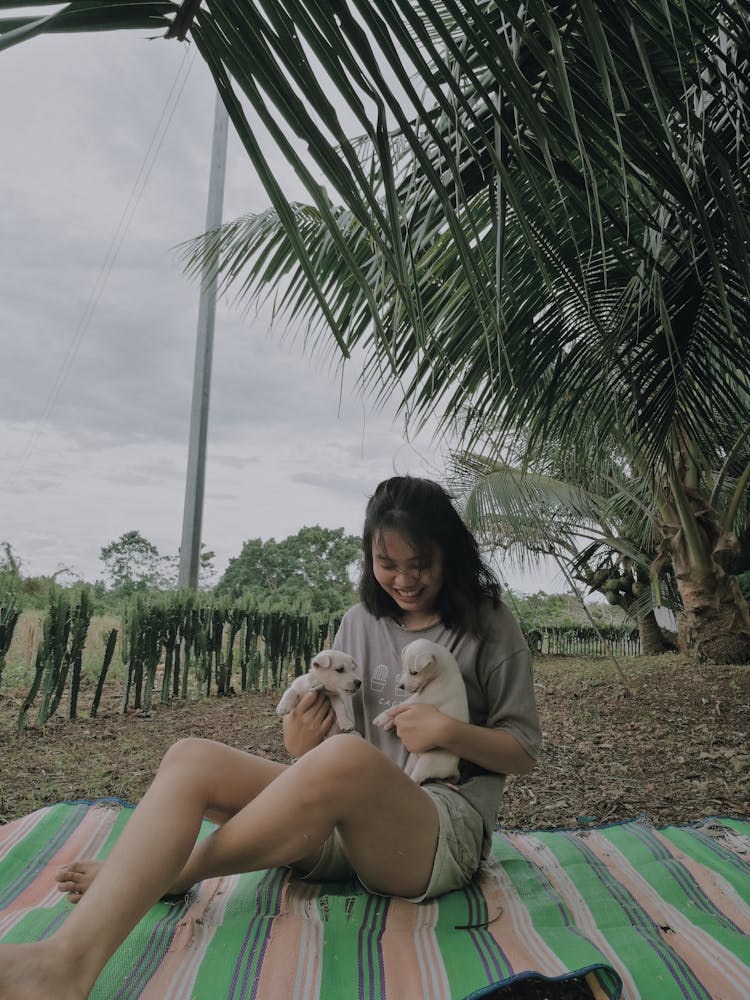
457, 857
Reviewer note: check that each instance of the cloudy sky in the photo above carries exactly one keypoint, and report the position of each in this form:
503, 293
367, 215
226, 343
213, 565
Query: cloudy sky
104, 171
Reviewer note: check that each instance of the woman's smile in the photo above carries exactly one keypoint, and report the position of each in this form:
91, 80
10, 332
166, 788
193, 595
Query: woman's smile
413, 579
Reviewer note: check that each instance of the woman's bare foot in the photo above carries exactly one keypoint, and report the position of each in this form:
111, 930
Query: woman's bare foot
37, 972
76, 878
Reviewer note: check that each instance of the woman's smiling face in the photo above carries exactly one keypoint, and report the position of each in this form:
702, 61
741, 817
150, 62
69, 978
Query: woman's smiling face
412, 578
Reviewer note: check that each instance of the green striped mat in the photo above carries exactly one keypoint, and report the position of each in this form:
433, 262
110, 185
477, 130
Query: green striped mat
641, 912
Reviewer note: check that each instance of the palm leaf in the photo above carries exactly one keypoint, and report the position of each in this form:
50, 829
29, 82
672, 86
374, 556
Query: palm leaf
616, 134
83, 15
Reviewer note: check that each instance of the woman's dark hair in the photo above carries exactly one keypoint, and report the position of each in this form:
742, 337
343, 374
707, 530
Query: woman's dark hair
422, 512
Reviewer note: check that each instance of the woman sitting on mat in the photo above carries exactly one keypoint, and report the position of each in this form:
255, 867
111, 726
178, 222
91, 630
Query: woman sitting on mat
344, 808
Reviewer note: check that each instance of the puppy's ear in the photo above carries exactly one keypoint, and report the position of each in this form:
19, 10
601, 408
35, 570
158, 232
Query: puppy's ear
322, 660
424, 660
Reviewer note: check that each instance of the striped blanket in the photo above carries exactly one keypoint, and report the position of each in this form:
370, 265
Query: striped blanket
639, 912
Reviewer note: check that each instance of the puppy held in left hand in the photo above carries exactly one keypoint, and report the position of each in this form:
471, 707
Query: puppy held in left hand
333, 672
431, 675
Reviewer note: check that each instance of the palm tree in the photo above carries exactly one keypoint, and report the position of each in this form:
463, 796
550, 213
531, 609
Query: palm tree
545, 225
687, 509
593, 521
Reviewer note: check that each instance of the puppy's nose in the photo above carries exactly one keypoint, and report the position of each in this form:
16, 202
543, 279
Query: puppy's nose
400, 686
357, 683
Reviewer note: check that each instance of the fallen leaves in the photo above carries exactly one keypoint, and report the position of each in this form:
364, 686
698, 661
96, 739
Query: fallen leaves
678, 749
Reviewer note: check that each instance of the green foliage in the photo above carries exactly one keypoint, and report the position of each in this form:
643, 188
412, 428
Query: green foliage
576, 261
181, 633
109, 652
29, 592
605, 640
180, 644
132, 563
10, 598
559, 624
549, 611
308, 572
10, 564
744, 581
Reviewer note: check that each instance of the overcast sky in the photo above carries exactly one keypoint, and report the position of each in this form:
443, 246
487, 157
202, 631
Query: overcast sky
98, 326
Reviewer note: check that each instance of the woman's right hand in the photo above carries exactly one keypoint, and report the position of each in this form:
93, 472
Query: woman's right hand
308, 723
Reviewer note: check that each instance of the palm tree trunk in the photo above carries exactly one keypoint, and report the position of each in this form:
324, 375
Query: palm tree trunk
653, 641
715, 623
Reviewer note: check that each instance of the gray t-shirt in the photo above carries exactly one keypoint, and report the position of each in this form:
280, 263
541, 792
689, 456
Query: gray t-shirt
497, 671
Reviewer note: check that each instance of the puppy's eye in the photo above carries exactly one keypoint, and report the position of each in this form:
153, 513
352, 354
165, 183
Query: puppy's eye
339, 670
414, 672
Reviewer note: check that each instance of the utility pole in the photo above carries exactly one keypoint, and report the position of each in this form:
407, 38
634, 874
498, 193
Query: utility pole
192, 518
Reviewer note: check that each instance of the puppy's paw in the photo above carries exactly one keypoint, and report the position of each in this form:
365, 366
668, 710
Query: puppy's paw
288, 701
384, 720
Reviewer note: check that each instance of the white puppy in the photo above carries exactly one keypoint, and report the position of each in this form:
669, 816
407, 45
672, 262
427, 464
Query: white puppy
334, 673
430, 674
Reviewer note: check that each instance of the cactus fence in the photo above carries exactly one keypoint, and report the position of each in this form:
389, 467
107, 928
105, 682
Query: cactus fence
9, 615
180, 646
171, 648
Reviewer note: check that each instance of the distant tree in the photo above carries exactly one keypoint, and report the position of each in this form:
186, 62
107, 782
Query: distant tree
133, 563
309, 571
30, 591
543, 610
206, 568
10, 572
10, 564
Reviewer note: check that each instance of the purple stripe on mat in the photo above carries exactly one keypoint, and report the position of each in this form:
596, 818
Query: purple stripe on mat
684, 977
494, 960
674, 867
258, 932
153, 952
42, 858
723, 852
550, 892
369, 949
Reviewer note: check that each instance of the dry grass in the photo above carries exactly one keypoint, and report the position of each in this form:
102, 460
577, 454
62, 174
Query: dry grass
19, 667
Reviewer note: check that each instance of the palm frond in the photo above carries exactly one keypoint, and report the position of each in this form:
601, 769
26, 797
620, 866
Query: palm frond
83, 15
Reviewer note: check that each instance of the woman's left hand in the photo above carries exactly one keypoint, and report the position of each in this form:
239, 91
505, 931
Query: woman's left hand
420, 727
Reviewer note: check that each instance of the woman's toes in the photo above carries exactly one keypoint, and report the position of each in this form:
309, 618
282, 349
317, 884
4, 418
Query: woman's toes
75, 879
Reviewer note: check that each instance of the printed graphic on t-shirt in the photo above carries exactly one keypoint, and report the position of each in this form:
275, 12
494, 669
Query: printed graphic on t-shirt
378, 682
379, 677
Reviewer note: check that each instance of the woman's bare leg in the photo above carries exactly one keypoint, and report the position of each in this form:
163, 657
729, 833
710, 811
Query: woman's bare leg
387, 823
248, 776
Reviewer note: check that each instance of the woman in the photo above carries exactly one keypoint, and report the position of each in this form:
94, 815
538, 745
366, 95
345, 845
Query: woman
345, 805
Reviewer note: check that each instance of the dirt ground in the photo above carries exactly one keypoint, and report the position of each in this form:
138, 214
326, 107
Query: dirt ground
670, 740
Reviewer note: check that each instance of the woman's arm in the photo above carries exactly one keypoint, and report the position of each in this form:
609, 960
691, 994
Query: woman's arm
424, 727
